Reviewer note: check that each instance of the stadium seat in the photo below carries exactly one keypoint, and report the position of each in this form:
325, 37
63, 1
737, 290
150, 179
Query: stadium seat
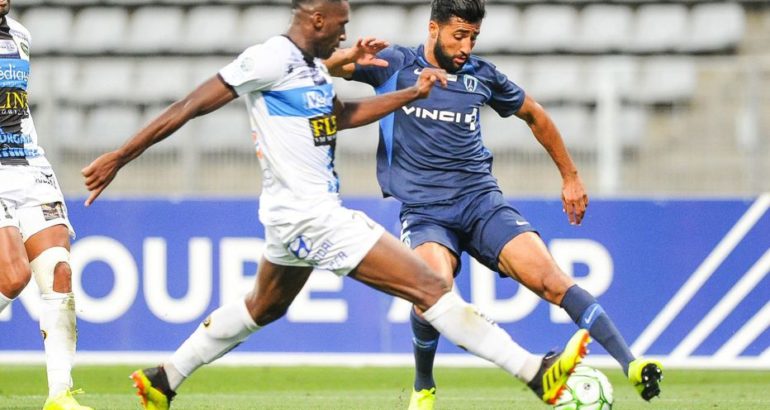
603, 28
155, 29
666, 80
57, 74
506, 134
512, 67
577, 126
361, 140
68, 131
659, 28
500, 31
51, 29
203, 68
99, 29
415, 30
108, 127
623, 70
161, 80
40, 78
104, 80
259, 23
211, 29
554, 79
348, 90
223, 130
632, 126
384, 22
548, 28
715, 27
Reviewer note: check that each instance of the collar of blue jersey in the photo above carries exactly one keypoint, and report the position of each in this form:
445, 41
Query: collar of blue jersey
4, 24
467, 68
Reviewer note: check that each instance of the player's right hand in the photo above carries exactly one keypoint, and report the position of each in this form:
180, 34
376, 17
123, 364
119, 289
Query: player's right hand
428, 77
99, 173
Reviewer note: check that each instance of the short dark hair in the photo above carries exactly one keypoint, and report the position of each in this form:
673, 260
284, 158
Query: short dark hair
296, 3
469, 10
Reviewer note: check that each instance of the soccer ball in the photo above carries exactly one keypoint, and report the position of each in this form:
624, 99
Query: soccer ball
587, 389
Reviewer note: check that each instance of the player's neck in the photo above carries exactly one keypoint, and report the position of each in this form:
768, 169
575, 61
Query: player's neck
429, 55
301, 41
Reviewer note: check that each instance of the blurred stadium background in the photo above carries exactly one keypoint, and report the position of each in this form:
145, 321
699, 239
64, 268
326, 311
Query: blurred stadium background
652, 97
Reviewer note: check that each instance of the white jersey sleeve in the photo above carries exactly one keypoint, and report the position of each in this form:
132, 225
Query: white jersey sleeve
256, 69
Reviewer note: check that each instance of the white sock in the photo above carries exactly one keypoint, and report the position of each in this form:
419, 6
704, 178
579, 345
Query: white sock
465, 326
57, 325
4, 301
224, 329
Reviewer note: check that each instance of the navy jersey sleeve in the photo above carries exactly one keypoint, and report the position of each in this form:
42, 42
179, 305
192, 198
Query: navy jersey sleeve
376, 76
507, 97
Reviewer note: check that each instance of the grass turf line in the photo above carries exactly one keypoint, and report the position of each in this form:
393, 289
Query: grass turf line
339, 388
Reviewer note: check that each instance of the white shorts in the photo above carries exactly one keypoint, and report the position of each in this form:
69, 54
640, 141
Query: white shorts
30, 200
336, 241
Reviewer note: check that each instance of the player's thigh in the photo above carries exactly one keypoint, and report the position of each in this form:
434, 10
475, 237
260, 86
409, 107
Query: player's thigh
14, 264
439, 259
526, 259
393, 268
275, 288
52, 236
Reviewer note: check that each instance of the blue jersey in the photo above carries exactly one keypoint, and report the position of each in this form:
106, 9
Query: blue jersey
431, 150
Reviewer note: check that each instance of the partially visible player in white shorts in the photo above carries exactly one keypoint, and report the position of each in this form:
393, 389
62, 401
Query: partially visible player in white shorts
31, 200
34, 229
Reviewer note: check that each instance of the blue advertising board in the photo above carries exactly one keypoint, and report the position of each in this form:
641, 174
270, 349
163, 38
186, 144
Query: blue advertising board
681, 278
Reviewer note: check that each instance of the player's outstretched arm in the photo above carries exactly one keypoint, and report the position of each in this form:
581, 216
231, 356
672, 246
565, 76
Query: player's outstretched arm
573, 195
364, 52
209, 96
351, 114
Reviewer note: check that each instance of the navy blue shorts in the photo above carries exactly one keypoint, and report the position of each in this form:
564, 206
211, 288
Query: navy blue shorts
478, 223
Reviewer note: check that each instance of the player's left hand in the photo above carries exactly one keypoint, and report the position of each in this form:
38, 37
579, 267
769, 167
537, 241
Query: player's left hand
427, 79
99, 173
364, 52
574, 199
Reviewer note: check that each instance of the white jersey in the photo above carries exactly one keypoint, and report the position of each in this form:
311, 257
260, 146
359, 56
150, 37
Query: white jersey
18, 138
290, 100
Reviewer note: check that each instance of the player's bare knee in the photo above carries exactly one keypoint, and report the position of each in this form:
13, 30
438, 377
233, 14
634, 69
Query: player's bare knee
62, 278
45, 267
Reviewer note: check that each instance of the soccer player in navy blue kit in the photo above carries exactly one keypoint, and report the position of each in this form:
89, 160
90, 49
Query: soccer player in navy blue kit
432, 159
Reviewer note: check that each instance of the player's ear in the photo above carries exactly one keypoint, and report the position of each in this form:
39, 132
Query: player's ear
318, 20
433, 29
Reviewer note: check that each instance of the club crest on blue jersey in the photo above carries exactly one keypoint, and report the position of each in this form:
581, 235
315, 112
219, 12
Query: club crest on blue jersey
300, 247
470, 82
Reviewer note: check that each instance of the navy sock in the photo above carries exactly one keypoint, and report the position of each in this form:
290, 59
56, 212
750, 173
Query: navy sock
587, 313
425, 342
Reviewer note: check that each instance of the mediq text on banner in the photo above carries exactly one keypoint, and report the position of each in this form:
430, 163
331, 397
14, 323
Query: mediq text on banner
681, 278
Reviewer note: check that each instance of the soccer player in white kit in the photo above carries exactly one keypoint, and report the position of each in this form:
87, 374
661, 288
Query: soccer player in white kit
295, 116
34, 229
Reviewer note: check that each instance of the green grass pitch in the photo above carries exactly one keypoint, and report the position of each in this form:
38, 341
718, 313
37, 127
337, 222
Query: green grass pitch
337, 388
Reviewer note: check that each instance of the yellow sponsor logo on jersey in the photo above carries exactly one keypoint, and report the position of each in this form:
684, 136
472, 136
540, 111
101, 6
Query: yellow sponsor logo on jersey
324, 129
